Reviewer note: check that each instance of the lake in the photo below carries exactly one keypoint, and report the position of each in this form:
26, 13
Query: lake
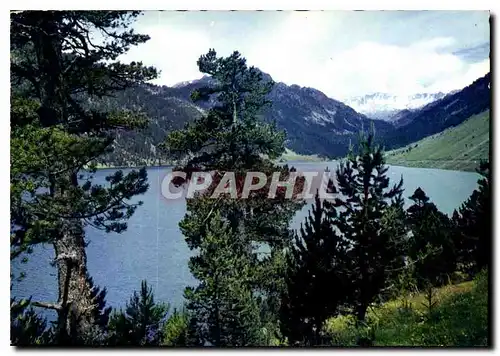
153, 248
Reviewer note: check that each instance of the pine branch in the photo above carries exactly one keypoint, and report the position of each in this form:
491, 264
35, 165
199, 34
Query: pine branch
53, 306
212, 210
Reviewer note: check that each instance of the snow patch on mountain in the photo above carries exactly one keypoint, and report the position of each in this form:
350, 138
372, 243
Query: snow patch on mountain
383, 106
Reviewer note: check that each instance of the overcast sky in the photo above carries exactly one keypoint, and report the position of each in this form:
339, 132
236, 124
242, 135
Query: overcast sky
342, 53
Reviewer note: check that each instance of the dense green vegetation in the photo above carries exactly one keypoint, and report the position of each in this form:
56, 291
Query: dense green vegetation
54, 135
459, 319
461, 147
334, 282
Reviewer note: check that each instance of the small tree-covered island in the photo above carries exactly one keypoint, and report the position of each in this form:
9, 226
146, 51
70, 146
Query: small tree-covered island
370, 263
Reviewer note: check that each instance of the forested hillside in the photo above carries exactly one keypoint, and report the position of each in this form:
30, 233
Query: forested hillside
164, 113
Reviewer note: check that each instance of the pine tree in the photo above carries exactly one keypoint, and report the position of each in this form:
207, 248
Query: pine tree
26, 327
176, 330
141, 322
398, 275
473, 226
317, 279
57, 68
101, 312
232, 138
231, 135
365, 203
226, 311
431, 247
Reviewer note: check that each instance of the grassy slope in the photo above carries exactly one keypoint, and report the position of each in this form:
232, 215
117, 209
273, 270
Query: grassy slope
456, 148
460, 318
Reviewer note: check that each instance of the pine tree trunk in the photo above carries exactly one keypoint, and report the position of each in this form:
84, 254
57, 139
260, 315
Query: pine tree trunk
317, 334
217, 314
361, 312
75, 318
317, 323
363, 341
235, 113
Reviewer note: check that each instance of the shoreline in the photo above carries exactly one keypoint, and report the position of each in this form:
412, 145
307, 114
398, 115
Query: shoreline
434, 164
286, 157
290, 156
394, 164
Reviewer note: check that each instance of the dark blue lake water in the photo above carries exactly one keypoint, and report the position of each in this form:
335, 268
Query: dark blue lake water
154, 249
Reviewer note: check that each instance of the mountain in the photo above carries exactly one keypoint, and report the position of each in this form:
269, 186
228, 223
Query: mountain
166, 112
383, 106
458, 148
315, 124
452, 110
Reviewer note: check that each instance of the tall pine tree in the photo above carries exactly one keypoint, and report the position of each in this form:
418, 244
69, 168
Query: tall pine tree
141, 322
431, 247
57, 68
317, 282
366, 203
473, 223
232, 138
225, 309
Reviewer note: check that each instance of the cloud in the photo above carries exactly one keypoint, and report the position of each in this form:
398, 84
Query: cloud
291, 49
173, 51
370, 67
316, 51
435, 44
470, 73
373, 67
417, 68
343, 54
300, 28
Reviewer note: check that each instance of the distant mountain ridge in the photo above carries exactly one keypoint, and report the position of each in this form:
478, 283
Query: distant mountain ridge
315, 124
